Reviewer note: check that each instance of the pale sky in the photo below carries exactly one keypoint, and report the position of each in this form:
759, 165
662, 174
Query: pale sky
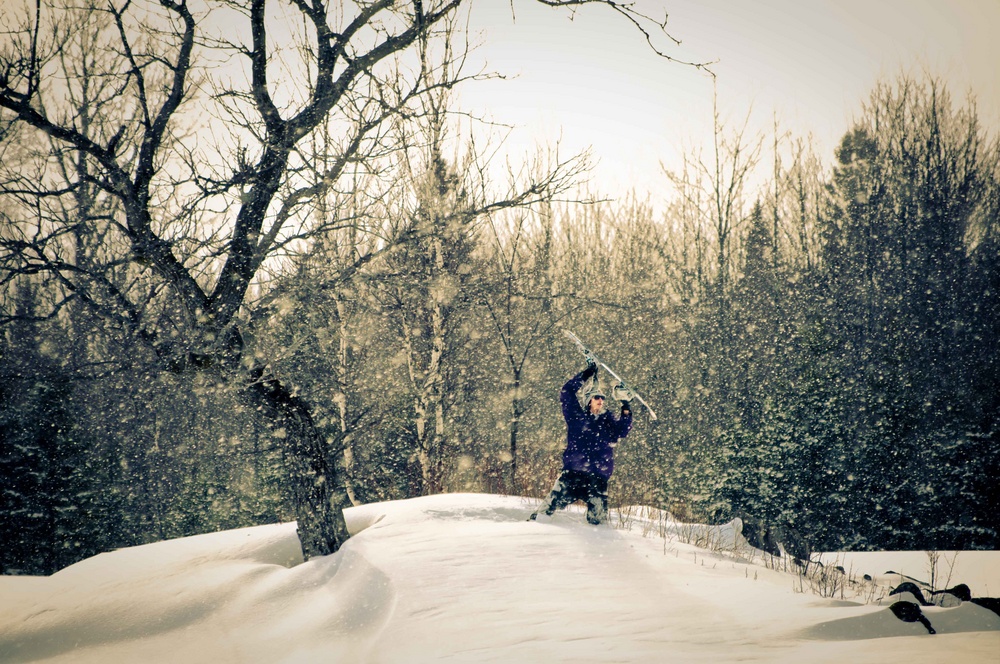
594, 81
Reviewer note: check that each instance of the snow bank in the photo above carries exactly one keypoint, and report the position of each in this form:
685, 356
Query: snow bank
464, 578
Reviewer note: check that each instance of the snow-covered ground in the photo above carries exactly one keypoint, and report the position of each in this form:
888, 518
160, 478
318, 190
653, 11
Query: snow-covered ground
464, 578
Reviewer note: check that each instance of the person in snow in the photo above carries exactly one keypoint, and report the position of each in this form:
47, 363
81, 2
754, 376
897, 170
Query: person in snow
592, 432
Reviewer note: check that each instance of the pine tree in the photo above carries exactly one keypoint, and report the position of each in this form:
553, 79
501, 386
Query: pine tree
48, 496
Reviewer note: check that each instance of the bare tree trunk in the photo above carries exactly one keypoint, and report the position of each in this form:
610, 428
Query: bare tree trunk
315, 475
346, 430
517, 410
435, 380
431, 424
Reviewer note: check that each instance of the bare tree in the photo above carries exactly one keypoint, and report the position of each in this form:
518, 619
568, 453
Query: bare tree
519, 299
200, 161
717, 188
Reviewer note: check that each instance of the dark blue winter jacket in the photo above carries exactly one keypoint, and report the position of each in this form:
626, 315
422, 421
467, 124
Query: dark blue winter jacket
590, 439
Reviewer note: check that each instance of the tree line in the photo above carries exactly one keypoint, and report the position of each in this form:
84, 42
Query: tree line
349, 309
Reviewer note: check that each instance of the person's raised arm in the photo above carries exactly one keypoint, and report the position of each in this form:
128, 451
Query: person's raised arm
568, 394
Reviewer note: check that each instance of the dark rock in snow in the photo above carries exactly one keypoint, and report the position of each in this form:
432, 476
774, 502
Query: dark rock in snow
913, 589
910, 612
991, 603
961, 591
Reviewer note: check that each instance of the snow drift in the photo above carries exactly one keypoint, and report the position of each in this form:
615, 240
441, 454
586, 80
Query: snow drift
464, 578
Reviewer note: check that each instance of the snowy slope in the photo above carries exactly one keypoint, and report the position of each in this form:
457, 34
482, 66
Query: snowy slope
464, 578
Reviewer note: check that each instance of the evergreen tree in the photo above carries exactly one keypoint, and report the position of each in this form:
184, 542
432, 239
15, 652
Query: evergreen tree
48, 497
910, 182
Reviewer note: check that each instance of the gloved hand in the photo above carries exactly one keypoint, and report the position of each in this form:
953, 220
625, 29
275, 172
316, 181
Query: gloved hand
622, 393
626, 407
591, 369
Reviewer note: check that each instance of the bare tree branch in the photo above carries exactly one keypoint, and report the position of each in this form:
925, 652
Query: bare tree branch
640, 21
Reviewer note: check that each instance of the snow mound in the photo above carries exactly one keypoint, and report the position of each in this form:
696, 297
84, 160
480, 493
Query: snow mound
463, 578
881, 623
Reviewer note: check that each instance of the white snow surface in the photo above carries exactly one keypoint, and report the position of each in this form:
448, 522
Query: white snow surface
465, 578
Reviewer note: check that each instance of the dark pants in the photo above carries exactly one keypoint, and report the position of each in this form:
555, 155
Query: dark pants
573, 485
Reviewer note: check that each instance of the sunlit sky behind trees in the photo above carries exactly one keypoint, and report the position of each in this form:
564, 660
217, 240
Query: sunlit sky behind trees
807, 64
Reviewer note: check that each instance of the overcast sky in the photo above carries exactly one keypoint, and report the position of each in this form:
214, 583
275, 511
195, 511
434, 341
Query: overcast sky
594, 81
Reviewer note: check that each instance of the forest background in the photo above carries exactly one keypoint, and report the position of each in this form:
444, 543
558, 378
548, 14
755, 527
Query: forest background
216, 313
